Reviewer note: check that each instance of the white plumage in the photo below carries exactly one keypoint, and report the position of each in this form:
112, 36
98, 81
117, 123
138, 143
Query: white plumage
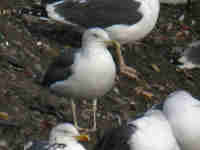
93, 70
153, 132
130, 33
183, 111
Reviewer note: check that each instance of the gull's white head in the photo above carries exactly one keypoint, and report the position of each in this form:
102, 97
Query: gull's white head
65, 133
95, 36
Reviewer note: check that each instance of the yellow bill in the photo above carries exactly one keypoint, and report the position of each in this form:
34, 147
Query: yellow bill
83, 138
4, 115
112, 43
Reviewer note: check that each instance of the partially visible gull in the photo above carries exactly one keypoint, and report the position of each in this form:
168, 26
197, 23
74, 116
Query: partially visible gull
191, 56
62, 137
183, 111
149, 132
88, 72
125, 20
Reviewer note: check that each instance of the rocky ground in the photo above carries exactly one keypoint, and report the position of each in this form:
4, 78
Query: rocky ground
27, 47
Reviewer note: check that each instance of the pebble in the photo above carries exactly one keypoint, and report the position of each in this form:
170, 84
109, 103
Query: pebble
3, 143
39, 43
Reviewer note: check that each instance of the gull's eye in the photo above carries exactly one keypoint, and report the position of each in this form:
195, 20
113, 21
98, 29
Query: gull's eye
64, 131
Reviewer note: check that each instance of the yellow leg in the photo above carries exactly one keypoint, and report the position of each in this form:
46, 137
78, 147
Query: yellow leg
94, 128
126, 70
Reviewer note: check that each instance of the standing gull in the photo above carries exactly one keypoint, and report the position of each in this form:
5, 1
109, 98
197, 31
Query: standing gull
88, 72
149, 132
62, 137
183, 111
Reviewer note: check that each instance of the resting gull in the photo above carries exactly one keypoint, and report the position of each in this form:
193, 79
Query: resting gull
149, 132
62, 137
125, 20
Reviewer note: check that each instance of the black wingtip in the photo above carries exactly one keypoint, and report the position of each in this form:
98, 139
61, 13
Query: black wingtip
45, 83
6, 123
188, 6
158, 106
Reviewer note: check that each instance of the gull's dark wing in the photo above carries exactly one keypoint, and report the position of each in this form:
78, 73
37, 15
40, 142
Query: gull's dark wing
60, 69
36, 145
102, 13
116, 138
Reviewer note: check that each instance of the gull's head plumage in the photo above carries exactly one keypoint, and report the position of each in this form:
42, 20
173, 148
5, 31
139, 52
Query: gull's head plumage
64, 132
63, 136
95, 35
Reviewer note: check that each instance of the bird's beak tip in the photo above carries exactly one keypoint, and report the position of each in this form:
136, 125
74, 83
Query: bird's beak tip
83, 138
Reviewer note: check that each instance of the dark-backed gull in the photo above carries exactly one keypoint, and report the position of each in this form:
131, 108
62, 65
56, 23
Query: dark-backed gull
149, 132
125, 20
88, 72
